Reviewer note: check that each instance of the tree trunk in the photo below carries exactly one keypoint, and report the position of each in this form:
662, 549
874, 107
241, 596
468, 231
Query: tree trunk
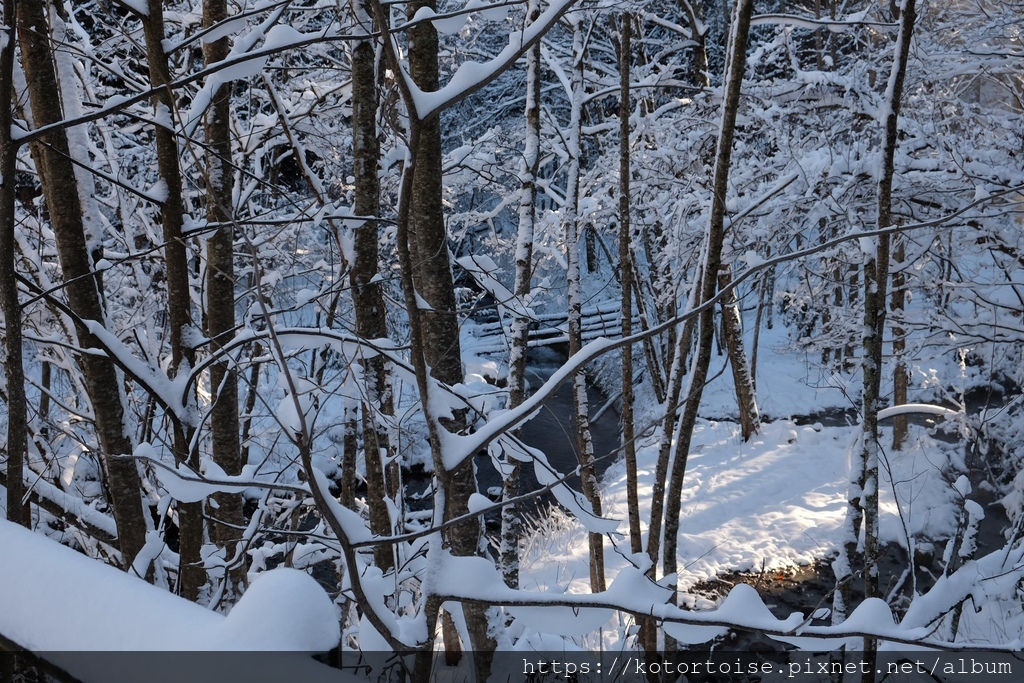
350, 457
626, 278
581, 409
367, 294
742, 377
764, 305
852, 297
192, 574
432, 281
627, 282
901, 377
648, 634
875, 279
652, 351
17, 403
709, 280
226, 510
511, 520
60, 187
842, 566
876, 276
432, 275
699, 70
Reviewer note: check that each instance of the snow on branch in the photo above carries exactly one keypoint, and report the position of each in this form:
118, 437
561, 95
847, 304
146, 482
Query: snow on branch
473, 579
856, 20
171, 393
187, 486
917, 409
472, 76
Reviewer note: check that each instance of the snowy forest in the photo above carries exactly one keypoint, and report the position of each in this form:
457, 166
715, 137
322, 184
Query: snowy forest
442, 330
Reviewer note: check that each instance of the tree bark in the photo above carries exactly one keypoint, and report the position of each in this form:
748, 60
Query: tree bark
900, 375
367, 293
60, 188
432, 281
648, 634
742, 377
511, 520
699, 70
876, 276
226, 510
17, 403
626, 279
581, 409
432, 274
709, 281
192, 573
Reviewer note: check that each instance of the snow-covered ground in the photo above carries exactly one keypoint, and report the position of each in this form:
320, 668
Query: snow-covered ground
776, 501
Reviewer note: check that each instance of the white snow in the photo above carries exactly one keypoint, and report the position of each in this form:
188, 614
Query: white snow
752, 259
284, 609
224, 29
295, 412
443, 24
768, 503
564, 621
66, 601
281, 36
140, 7
478, 502
489, 12
917, 409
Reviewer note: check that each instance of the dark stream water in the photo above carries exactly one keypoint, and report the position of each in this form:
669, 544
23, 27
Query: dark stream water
552, 431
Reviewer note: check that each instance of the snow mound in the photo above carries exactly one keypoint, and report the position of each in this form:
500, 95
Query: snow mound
284, 609
56, 599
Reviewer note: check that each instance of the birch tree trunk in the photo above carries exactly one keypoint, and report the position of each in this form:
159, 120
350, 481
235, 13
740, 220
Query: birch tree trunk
511, 520
875, 280
581, 409
60, 188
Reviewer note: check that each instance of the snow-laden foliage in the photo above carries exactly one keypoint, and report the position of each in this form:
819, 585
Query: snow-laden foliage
352, 449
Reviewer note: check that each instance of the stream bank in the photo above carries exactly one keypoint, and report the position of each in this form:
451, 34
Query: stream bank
807, 588
789, 589
799, 588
